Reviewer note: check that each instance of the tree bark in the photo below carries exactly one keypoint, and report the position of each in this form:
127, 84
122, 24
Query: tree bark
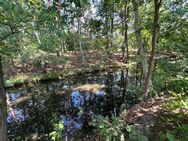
106, 31
56, 4
112, 27
125, 47
137, 24
157, 4
80, 42
36, 33
3, 107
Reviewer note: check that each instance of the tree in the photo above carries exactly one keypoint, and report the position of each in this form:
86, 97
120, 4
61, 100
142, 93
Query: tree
157, 4
14, 16
3, 107
126, 16
137, 26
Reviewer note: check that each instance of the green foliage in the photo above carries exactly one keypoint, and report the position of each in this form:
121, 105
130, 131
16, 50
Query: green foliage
58, 128
56, 135
17, 80
178, 134
169, 74
110, 129
179, 86
173, 127
170, 137
178, 102
115, 129
135, 135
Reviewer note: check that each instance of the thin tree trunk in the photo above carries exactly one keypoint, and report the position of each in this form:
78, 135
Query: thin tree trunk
36, 34
137, 24
154, 45
107, 36
61, 47
64, 46
57, 6
126, 32
13, 63
3, 107
112, 27
123, 35
80, 42
74, 43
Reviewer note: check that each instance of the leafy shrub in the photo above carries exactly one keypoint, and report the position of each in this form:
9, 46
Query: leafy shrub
135, 135
180, 102
115, 129
179, 86
110, 129
58, 128
56, 135
179, 134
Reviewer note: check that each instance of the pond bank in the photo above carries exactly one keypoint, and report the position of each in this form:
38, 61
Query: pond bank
27, 78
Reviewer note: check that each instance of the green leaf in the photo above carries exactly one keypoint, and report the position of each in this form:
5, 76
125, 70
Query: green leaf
61, 126
142, 138
162, 136
170, 137
52, 133
101, 126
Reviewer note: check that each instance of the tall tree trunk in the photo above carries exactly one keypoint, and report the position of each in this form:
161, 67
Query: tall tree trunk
80, 42
3, 107
112, 27
106, 31
157, 4
137, 24
125, 47
63, 48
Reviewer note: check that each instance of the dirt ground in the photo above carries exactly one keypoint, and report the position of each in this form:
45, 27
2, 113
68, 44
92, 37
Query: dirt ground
144, 115
71, 60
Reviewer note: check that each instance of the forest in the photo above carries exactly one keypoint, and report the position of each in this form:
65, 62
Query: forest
93, 70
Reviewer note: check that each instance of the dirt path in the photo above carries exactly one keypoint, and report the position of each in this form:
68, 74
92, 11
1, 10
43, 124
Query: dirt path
144, 115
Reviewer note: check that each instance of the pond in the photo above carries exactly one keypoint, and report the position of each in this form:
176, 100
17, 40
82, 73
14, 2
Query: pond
33, 111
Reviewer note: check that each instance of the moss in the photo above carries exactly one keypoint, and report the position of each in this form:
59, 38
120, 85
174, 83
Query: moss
16, 80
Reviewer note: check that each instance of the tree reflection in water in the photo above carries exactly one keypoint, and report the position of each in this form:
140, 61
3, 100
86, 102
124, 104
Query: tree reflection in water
35, 116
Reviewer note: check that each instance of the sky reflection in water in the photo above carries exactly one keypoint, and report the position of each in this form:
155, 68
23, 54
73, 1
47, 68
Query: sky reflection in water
74, 108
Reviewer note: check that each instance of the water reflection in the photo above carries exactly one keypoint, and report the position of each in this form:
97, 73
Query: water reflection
35, 115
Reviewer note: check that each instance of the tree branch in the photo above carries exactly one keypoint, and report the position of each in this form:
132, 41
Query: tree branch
12, 32
6, 36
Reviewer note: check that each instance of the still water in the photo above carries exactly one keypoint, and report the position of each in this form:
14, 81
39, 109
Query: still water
34, 110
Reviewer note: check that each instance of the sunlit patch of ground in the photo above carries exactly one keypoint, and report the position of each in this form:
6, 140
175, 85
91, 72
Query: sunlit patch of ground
144, 115
152, 106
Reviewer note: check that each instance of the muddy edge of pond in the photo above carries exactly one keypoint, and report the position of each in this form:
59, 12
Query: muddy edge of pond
54, 76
